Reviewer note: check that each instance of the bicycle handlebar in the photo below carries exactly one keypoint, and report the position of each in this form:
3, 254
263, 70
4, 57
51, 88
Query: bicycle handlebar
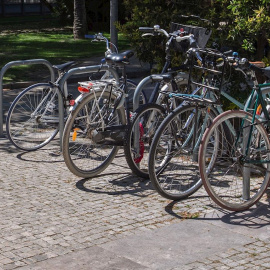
146, 29
154, 30
243, 65
100, 38
178, 35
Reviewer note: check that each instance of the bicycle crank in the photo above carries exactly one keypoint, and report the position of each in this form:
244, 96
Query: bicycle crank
114, 135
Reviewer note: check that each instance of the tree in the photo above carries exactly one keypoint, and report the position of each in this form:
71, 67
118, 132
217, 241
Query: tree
247, 23
252, 21
79, 24
62, 9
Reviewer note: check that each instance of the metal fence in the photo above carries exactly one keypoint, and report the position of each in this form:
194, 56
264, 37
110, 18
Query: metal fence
23, 7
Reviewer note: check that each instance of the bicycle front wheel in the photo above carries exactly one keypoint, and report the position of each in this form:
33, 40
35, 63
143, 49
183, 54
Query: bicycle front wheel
33, 119
146, 119
173, 166
236, 175
84, 152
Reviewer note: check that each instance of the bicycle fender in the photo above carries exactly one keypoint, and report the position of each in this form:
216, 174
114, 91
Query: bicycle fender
77, 102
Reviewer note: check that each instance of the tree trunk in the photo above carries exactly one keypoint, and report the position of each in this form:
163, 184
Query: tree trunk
79, 25
261, 45
113, 20
260, 53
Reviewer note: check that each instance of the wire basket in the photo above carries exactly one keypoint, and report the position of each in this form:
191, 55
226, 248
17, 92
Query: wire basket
201, 36
206, 69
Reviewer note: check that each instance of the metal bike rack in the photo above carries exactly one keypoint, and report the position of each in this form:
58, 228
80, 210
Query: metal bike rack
136, 102
19, 63
63, 87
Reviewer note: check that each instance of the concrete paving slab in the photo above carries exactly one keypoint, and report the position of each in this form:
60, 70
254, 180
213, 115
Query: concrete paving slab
177, 245
91, 258
171, 247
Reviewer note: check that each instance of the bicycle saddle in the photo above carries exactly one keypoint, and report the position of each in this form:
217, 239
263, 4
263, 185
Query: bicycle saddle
162, 77
119, 58
64, 66
266, 72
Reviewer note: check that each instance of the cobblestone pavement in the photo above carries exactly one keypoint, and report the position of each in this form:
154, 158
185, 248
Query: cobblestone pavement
47, 212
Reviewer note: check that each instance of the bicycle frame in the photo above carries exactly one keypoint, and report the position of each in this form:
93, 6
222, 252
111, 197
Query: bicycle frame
259, 100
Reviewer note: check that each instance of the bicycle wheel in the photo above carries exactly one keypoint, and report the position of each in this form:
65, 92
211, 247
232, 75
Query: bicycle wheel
146, 119
32, 119
173, 166
84, 155
234, 178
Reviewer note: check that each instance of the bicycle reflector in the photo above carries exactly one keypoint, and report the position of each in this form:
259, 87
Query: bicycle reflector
85, 88
259, 110
74, 136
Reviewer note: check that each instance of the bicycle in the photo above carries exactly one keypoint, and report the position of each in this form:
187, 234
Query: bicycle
33, 117
237, 174
173, 155
96, 125
147, 118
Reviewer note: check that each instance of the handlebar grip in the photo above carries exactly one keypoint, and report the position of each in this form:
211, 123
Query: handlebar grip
146, 29
196, 17
183, 16
227, 52
90, 36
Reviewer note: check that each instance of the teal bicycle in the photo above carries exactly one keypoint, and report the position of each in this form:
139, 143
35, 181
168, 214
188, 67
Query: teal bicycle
236, 173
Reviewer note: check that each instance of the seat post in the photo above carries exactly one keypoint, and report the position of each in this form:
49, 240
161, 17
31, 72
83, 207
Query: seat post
124, 75
125, 90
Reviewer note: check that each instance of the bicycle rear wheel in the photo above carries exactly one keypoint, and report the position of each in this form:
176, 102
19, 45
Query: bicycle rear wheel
173, 166
234, 178
83, 155
32, 119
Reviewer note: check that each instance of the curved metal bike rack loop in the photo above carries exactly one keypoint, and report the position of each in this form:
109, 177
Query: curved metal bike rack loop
19, 63
63, 87
136, 102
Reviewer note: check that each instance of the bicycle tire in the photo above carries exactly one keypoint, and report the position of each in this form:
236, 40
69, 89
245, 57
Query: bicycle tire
226, 176
138, 162
173, 166
32, 119
82, 156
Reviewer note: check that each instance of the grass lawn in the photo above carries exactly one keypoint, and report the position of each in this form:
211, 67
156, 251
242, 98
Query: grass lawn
37, 37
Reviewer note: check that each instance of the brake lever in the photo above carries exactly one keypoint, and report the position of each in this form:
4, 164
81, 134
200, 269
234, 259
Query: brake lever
147, 34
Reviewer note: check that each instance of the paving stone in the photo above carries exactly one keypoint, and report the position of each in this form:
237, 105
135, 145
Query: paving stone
46, 213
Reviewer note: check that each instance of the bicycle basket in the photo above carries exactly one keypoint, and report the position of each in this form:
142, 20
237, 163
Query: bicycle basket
208, 72
201, 35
